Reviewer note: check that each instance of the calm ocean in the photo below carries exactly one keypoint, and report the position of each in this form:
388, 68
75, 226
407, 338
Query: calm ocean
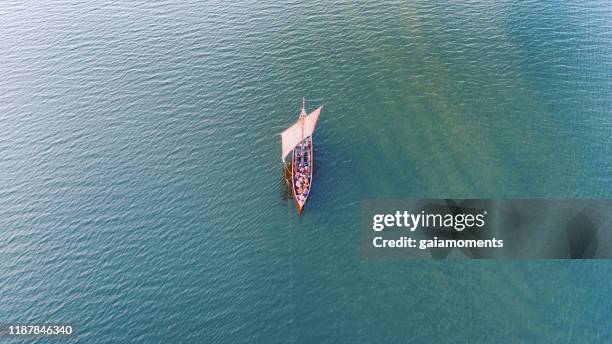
141, 197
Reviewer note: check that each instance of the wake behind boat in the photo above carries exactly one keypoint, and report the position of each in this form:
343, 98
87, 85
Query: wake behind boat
297, 140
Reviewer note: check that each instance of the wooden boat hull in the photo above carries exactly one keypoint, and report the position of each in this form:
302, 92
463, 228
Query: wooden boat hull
302, 167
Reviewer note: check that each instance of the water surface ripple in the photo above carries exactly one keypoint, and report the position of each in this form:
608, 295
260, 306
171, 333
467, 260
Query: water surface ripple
141, 194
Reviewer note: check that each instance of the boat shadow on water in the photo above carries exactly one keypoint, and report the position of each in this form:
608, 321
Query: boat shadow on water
285, 183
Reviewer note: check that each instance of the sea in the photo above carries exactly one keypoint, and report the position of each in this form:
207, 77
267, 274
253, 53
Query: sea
141, 189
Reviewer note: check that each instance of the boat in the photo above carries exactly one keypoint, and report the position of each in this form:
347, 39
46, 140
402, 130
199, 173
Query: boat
297, 140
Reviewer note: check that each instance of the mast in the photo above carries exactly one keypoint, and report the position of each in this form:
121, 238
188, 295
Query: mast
300, 130
302, 117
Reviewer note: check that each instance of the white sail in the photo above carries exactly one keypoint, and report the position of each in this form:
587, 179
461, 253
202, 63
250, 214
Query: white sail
291, 137
303, 128
310, 122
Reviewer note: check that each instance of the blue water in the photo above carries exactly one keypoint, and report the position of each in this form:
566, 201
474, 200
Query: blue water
141, 196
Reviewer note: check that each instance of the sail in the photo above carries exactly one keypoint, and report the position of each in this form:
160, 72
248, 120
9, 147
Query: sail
311, 122
303, 128
291, 137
